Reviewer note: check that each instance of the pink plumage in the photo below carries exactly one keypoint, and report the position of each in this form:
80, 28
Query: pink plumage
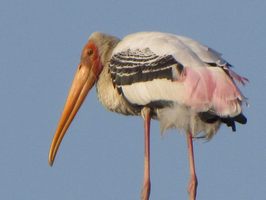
211, 89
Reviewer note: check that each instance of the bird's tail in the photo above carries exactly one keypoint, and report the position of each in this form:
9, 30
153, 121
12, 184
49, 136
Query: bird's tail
211, 89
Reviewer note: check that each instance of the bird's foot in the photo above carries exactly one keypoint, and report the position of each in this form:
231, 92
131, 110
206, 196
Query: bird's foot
145, 192
192, 187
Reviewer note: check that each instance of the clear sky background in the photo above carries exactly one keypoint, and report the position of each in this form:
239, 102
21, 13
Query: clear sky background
101, 157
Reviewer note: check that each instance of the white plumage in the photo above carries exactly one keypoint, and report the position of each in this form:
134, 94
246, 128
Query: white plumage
204, 87
187, 51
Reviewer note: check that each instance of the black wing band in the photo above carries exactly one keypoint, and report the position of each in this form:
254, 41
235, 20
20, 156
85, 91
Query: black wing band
134, 66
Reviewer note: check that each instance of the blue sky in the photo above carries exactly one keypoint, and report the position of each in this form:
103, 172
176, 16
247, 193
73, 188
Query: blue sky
101, 157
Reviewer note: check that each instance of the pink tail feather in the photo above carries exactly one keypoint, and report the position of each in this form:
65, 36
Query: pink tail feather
212, 89
235, 76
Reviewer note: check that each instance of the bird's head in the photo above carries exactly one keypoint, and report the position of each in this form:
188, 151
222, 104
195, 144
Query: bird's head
93, 57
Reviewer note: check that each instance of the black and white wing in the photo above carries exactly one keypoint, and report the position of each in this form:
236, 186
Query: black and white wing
150, 67
141, 65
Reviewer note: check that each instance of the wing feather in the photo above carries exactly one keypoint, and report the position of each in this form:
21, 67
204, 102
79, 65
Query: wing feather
148, 67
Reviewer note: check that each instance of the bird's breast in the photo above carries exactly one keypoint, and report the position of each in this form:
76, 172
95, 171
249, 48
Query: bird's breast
109, 96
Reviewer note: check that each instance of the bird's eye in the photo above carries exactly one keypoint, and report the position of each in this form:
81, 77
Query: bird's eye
90, 52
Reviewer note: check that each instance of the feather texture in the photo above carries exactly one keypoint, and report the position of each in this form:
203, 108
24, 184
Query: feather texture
193, 82
187, 85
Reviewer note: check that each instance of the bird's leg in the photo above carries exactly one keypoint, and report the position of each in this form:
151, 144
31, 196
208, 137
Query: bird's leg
146, 188
193, 182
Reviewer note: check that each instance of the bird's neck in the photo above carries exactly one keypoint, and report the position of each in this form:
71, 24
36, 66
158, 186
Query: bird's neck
108, 94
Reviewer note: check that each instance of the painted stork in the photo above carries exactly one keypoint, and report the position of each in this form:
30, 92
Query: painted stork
171, 78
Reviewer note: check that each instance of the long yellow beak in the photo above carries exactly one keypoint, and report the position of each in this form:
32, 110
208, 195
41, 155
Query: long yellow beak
83, 81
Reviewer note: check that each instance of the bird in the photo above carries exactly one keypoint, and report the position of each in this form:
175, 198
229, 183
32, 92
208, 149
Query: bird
162, 76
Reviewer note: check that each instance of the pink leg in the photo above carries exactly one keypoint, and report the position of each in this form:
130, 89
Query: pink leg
145, 193
193, 182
